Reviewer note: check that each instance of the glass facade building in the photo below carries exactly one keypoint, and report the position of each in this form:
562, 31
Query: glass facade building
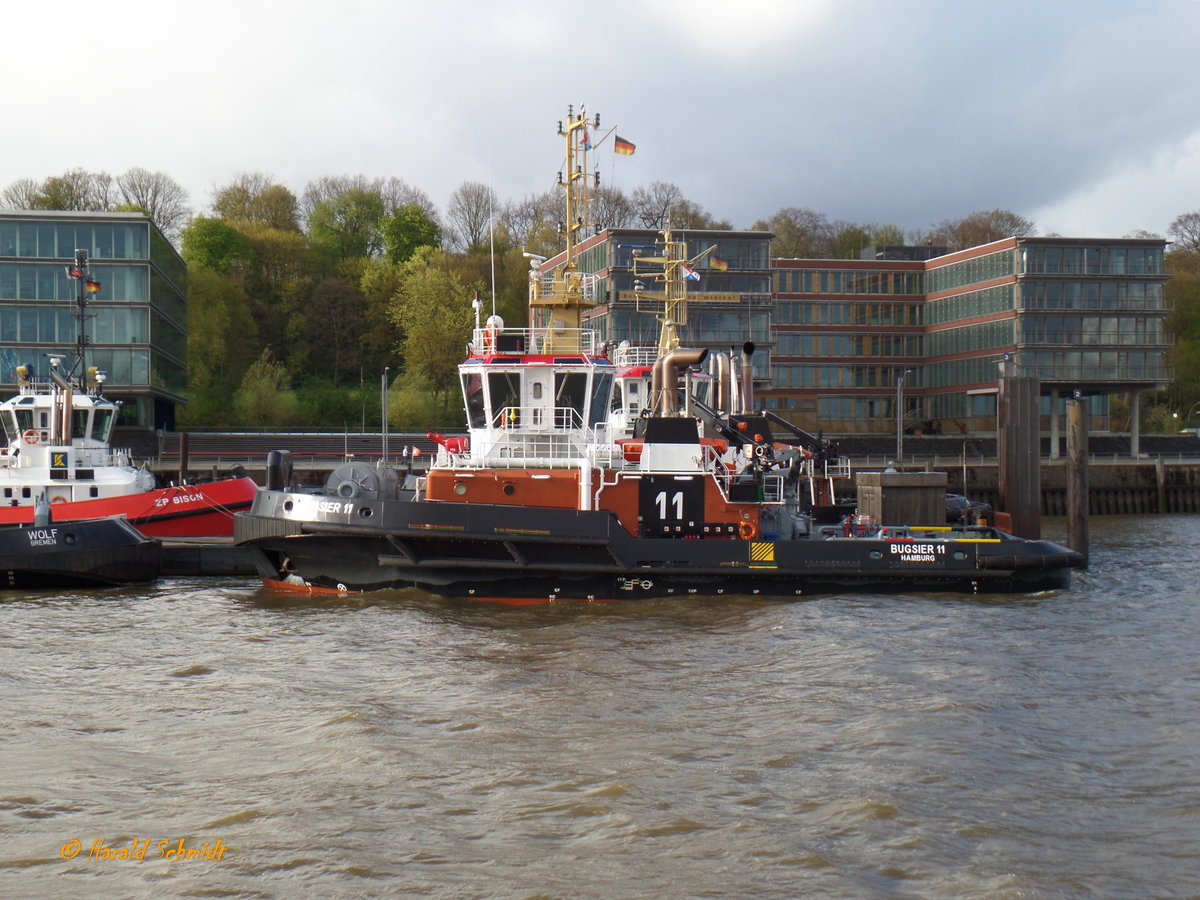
729, 304
835, 337
1084, 315
136, 323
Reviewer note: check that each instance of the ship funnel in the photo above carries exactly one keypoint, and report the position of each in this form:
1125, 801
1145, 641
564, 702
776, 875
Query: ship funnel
664, 384
748, 376
720, 373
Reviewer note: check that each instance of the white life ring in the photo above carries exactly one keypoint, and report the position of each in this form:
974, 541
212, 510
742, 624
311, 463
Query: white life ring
30, 437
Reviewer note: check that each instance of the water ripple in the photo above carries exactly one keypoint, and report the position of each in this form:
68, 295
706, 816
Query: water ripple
907, 746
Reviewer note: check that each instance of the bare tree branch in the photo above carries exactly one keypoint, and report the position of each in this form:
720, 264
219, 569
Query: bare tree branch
159, 196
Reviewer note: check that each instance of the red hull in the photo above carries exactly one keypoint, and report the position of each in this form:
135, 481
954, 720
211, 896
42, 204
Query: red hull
285, 587
193, 510
276, 586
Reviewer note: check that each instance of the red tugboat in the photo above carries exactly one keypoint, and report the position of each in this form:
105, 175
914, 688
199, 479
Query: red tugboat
551, 496
59, 426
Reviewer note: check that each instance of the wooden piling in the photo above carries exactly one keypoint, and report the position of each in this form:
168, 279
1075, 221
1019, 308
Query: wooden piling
1020, 473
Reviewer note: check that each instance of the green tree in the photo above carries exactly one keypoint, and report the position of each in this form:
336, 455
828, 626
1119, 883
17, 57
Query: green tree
379, 281
411, 406
406, 229
327, 406
222, 340
279, 284
215, 244
392, 192
278, 208
78, 189
887, 236
433, 309
335, 317
850, 240
347, 226
252, 198
1182, 294
512, 289
264, 399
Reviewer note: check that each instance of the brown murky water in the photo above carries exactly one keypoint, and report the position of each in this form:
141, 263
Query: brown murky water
911, 746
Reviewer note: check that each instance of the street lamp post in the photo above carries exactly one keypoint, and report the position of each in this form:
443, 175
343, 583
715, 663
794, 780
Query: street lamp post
900, 417
383, 399
1187, 418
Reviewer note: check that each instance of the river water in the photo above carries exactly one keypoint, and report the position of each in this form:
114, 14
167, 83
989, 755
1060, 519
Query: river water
914, 746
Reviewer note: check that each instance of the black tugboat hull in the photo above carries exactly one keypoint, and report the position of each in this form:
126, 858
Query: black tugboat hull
82, 553
517, 554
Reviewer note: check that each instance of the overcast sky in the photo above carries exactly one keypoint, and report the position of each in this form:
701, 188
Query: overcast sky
1082, 115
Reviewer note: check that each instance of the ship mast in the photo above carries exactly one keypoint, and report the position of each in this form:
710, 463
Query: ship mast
567, 295
84, 284
676, 268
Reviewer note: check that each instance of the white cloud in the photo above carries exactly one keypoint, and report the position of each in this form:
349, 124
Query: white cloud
1133, 195
731, 32
1077, 114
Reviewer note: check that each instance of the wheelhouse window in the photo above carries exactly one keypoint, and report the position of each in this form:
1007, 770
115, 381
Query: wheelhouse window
570, 394
504, 393
472, 384
601, 394
79, 423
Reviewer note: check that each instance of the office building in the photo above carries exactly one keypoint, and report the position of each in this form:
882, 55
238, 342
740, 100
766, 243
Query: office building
136, 324
855, 338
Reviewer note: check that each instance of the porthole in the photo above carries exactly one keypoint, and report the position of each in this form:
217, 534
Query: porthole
460, 488
875, 554
960, 555
509, 489
366, 512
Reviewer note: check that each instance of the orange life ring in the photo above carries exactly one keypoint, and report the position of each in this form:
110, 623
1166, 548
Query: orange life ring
30, 437
746, 530
490, 333
58, 499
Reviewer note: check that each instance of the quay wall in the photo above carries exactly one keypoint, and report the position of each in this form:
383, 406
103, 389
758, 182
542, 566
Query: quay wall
1164, 478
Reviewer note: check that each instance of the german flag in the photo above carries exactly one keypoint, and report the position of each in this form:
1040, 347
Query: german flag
624, 147
719, 264
92, 285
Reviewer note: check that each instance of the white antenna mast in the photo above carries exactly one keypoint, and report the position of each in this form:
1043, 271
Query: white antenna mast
492, 226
